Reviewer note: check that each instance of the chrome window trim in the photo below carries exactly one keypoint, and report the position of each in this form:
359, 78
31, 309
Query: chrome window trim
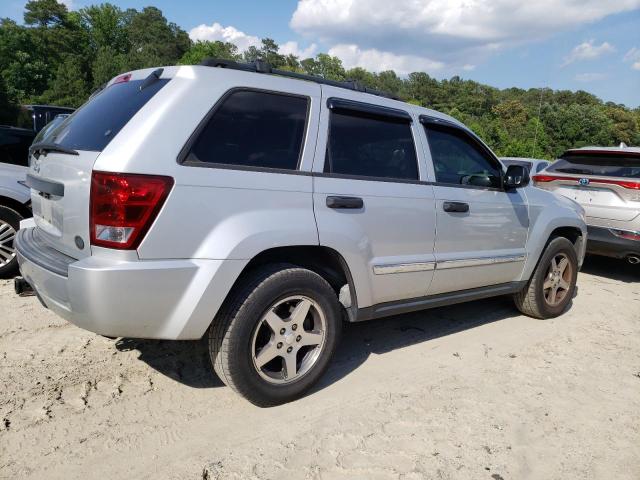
404, 268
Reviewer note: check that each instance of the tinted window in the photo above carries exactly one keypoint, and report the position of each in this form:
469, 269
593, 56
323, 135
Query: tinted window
541, 166
370, 147
607, 165
458, 160
254, 129
14, 146
96, 123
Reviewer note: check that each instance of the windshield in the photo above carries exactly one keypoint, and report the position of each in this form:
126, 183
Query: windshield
603, 164
99, 120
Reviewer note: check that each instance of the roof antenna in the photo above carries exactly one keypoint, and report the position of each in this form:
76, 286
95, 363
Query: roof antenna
622, 145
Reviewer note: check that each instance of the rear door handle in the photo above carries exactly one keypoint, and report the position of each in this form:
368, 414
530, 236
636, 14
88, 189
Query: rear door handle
344, 202
457, 207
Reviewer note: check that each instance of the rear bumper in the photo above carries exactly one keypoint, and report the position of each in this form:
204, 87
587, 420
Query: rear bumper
602, 242
163, 299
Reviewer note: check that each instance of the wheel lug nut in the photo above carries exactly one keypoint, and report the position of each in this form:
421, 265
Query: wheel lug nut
279, 345
298, 338
294, 327
289, 349
282, 330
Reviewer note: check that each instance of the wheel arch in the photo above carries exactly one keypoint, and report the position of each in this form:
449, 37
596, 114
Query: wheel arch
22, 208
325, 261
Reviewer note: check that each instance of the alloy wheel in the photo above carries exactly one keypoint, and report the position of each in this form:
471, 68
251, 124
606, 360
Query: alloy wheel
7, 236
288, 340
557, 281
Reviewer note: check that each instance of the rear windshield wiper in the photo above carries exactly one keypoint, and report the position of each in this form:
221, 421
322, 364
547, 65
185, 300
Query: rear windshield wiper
42, 147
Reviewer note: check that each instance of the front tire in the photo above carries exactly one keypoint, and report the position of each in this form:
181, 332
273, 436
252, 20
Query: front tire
275, 335
553, 282
9, 225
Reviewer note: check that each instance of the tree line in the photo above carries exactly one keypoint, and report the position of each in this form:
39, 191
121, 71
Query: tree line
59, 57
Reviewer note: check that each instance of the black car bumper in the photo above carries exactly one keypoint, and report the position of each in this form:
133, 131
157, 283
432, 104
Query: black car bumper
602, 241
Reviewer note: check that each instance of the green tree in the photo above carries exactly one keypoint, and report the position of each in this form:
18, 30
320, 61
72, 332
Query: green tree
69, 86
205, 49
154, 41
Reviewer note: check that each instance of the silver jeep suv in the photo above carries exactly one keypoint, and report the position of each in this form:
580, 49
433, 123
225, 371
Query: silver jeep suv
261, 208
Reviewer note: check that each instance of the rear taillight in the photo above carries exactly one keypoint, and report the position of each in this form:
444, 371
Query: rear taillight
628, 184
123, 206
626, 234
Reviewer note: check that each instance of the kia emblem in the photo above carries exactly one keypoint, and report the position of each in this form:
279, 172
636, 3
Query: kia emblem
583, 181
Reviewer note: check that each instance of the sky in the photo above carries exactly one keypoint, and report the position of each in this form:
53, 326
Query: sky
591, 45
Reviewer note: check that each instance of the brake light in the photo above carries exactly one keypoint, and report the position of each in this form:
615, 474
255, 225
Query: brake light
544, 178
625, 234
631, 185
123, 206
122, 78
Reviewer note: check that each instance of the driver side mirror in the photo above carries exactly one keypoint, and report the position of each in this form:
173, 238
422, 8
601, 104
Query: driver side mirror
517, 176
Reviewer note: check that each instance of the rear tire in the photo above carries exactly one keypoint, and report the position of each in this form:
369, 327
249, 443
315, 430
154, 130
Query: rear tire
9, 225
261, 343
553, 282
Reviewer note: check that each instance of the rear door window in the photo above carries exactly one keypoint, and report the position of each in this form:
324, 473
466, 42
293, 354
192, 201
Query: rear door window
96, 123
368, 146
624, 165
253, 129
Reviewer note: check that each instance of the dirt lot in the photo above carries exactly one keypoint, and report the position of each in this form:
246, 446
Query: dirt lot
467, 392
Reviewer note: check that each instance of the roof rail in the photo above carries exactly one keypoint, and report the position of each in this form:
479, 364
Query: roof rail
260, 66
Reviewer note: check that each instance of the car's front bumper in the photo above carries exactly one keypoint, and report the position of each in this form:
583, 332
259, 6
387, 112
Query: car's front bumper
601, 241
164, 299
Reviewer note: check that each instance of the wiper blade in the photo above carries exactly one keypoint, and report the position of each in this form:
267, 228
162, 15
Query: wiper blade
42, 147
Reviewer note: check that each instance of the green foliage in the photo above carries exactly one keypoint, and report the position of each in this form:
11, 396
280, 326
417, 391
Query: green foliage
201, 50
60, 57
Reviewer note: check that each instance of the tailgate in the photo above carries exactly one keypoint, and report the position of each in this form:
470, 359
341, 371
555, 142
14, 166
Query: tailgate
60, 187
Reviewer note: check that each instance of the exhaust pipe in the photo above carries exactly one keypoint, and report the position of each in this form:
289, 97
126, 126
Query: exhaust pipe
22, 287
633, 260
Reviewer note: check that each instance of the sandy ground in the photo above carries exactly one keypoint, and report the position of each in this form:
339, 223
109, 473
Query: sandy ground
473, 391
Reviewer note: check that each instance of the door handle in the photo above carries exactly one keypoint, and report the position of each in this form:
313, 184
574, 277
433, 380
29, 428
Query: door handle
344, 202
457, 207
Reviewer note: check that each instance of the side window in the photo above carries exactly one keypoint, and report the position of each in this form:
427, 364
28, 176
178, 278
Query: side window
458, 160
541, 166
14, 148
370, 147
253, 129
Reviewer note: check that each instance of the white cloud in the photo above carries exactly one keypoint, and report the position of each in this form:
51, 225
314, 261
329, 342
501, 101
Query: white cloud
633, 56
378, 61
588, 51
468, 67
229, 34
456, 32
590, 77
292, 48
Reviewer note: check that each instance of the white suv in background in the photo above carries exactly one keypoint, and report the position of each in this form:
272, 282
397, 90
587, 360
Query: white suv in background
606, 182
261, 208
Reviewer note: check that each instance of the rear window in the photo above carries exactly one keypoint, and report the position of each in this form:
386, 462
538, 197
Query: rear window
14, 147
99, 120
599, 164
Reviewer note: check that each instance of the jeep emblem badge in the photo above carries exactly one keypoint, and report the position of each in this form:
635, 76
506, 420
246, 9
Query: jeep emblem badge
583, 181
